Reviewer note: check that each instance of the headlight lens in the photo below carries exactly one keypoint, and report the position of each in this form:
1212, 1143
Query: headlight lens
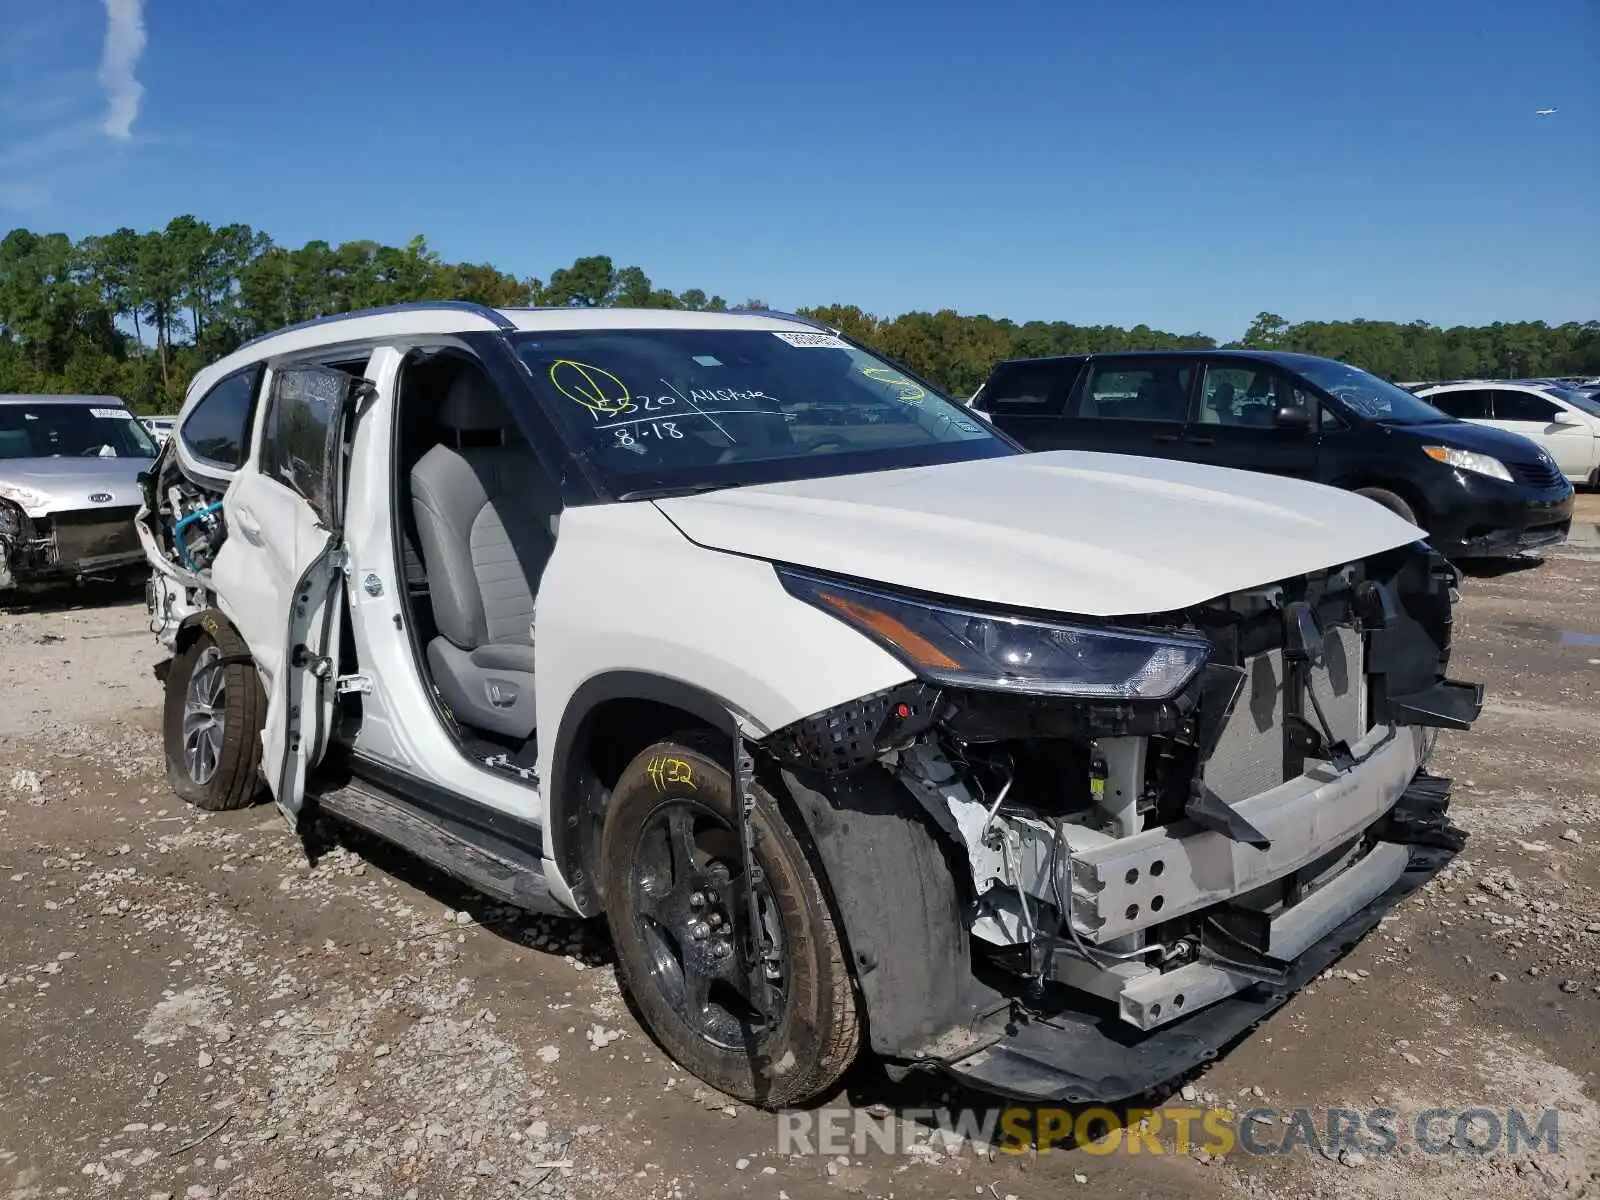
26, 497
946, 644
1469, 460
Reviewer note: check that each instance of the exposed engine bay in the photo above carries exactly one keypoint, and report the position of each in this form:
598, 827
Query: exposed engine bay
190, 516
182, 523
1150, 859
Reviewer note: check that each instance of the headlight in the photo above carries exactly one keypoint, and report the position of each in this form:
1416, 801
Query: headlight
1469, 460
946, 644
26, 497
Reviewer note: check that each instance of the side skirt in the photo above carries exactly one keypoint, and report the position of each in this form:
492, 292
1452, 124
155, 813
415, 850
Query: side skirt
499, 855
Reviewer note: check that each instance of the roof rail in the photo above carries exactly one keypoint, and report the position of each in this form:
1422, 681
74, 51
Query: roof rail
786, 316
495, 317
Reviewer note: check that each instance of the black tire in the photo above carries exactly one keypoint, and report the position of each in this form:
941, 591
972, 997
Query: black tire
234, 780
817, 1032
1390, 501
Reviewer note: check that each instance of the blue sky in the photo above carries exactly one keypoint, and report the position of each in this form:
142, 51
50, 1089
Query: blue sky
1178, 163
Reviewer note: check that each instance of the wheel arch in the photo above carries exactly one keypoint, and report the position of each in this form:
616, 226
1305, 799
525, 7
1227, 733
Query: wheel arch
605, 723
1406, 490
885, 869
215, 624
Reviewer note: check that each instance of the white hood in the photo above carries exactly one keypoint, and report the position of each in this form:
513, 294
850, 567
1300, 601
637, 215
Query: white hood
1066, 531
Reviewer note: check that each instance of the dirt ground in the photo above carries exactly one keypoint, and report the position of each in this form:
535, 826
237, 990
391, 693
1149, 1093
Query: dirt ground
190, 1008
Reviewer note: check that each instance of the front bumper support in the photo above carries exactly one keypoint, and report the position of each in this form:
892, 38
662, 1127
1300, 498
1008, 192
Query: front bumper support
1128, 884
1076, 1055
1157, 998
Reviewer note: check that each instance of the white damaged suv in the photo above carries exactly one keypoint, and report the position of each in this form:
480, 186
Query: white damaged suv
860, 727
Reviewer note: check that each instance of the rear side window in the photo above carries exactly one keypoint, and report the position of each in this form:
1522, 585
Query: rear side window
1470, 404
218, 428
1144, 391
1523, 406
1028, 389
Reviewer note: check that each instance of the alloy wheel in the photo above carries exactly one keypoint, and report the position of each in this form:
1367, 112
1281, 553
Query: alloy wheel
204, 710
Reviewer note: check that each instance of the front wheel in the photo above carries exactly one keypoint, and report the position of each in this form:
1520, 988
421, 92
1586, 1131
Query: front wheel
211, 724
670, 871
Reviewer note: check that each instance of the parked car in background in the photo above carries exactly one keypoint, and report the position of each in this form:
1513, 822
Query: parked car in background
1564, 420
69, 488
861, 727
160, 428
1478, 491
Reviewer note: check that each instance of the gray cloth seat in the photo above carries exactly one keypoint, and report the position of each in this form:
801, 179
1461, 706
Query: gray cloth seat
1218, 408
485, 512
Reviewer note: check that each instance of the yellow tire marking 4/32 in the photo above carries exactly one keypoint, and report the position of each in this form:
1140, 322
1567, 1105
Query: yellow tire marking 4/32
664, 772
595, 388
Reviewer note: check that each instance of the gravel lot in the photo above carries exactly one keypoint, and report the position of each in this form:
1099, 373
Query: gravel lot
190, 1008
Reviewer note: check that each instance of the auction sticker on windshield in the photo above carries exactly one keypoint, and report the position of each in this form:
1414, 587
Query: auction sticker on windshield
111, 414
810, 340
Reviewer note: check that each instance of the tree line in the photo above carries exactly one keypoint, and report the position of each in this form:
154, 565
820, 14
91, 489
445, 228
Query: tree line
136, 314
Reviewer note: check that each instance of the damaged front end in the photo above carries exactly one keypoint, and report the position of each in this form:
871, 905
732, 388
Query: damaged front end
1156, 848
65, 546
25, 553
180, 527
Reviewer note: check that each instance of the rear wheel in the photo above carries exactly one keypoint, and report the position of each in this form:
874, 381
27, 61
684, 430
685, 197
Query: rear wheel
674, 895
211, 724
1390, 501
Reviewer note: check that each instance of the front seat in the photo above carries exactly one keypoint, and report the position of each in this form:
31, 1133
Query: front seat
1219, 403
486, 512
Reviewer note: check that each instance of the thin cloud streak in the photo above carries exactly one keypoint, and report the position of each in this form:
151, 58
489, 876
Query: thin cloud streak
125, 42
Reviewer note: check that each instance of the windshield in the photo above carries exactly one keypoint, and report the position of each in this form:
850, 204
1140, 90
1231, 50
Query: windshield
50, 429
1368, 396
690, 408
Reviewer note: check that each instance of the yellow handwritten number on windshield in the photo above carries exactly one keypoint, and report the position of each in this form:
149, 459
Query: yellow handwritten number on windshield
597, 390
909, 393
